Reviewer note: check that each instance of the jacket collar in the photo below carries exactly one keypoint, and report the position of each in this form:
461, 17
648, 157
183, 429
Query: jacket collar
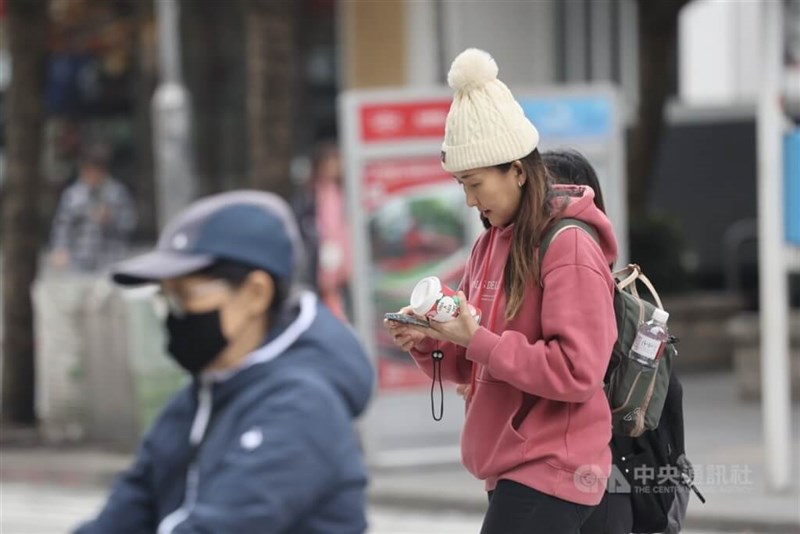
275, 347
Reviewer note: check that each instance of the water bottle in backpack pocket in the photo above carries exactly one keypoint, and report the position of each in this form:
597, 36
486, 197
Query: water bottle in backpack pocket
641, 362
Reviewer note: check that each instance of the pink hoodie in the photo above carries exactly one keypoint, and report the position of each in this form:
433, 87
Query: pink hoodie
538, 414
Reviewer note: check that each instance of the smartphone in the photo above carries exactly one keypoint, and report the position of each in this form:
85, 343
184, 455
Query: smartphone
405, 319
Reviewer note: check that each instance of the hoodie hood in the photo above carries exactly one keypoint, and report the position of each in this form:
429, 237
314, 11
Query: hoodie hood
343, 364
580, 205
316, 344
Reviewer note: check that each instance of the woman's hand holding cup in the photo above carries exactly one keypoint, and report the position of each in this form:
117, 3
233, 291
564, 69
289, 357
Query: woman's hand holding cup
459, 330
448, 315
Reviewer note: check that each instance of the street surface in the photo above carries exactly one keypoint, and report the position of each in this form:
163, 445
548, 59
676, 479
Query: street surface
27, 508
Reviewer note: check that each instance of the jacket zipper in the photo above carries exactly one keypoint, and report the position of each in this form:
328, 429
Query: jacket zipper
196, 434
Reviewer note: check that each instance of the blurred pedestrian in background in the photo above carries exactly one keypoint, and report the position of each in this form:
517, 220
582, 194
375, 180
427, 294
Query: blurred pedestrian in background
95, 217
262, 439
321, 209
538, 422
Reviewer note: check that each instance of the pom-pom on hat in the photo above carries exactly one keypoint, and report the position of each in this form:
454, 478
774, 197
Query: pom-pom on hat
485, 125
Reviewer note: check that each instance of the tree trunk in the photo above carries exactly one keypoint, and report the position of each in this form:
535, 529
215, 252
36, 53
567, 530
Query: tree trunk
270, 30
658, 37
214, 75
201, 22
145, 85
27, 32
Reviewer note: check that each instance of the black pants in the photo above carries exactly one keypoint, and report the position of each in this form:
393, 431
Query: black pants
518, 509
613, 515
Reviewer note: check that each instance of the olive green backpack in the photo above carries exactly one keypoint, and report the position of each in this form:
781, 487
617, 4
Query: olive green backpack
635, 392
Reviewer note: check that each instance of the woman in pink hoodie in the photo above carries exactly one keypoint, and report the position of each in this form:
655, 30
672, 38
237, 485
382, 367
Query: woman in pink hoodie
537, 423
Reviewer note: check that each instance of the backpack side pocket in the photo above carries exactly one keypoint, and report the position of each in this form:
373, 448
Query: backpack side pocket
629, 393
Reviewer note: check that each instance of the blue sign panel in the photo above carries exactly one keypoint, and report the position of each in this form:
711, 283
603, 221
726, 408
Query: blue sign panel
571, 117
791, 155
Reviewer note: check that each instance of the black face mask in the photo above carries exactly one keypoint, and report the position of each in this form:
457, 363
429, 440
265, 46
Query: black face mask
195, 339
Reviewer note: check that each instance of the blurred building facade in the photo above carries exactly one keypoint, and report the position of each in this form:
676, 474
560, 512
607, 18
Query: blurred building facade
542, 43
706, 176
102, 73
704, 186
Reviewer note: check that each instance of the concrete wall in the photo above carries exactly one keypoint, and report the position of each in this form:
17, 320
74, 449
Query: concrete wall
520, 35
396, 43
718, 52
373, 43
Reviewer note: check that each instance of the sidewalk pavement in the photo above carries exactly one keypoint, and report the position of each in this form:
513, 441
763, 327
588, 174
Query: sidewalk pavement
723, 435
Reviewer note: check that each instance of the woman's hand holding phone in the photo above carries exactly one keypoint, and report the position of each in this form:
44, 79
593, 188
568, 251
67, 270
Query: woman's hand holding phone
458, 331
406, 319
405, 335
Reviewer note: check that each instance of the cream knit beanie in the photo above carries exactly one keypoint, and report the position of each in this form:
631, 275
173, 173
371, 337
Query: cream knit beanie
485, 125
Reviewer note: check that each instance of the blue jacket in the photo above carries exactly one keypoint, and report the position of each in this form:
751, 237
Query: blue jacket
266, 448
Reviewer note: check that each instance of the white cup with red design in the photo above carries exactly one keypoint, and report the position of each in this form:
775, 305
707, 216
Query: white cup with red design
434, 300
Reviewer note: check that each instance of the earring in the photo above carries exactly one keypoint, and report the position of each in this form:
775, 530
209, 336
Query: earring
519, 184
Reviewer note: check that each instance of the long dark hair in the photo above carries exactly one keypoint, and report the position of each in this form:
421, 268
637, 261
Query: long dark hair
534, 215
571, 167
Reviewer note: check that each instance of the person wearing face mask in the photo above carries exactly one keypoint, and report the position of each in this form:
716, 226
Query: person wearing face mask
262, 439
537, 422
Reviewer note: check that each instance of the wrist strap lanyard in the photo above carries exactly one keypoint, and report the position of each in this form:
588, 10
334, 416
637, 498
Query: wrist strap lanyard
437, 355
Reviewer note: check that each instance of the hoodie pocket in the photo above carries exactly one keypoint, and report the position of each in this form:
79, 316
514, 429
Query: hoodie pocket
491, 442
525, 407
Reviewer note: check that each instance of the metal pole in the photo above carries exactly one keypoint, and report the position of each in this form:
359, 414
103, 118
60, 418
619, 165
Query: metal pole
171, 110
773, 298
168, 41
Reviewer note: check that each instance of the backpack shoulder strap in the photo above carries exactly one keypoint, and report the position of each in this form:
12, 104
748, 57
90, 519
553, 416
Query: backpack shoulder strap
559, 226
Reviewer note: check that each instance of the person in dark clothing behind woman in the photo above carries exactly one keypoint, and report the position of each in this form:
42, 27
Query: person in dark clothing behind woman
614, 514
572, 168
